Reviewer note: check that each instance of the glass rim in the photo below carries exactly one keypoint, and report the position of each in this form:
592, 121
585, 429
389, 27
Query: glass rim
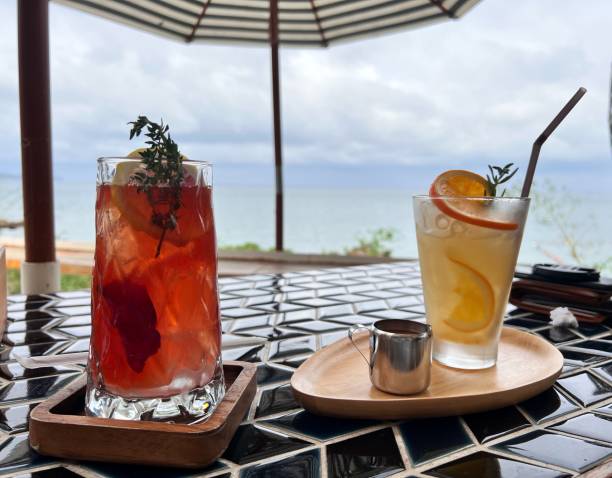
474, 198
109, 159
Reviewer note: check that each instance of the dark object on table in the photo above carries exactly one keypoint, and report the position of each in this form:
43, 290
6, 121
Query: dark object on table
565, 274
59, 428
546, 287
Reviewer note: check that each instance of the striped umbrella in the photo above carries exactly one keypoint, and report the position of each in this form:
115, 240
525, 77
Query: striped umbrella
268, 22
285, 22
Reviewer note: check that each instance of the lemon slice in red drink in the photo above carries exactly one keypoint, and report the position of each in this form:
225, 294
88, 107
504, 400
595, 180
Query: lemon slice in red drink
473, 297
448, 189
135, 208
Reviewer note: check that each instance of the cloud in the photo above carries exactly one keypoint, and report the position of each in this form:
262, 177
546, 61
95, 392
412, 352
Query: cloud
476, 90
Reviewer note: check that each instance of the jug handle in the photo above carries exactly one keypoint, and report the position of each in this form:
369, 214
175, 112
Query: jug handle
352, 331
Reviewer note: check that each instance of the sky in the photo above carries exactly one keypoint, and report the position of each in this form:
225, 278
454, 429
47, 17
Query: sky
461, 93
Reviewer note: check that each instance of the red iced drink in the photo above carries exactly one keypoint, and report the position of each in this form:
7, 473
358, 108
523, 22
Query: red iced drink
155, 310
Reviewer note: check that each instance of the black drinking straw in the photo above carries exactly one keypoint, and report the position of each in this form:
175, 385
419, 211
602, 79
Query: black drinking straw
537, 145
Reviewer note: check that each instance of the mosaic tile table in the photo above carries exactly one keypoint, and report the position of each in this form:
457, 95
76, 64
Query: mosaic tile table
277, 322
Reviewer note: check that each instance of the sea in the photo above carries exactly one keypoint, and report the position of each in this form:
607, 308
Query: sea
332, 218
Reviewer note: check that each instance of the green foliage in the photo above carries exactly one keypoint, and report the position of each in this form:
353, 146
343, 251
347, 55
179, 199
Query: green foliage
248, 247
557, 208
13, 277
163, 166
497, 176
68, 281
245, 246
376, 244
75, 282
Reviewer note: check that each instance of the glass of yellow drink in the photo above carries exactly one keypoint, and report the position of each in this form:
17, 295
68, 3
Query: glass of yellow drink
468, 247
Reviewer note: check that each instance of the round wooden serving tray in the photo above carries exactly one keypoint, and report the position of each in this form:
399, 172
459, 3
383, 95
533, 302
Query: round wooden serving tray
335, 381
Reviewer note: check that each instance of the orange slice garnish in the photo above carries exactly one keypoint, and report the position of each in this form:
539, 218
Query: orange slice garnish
136, 153
448, 189
473, 298
135, 208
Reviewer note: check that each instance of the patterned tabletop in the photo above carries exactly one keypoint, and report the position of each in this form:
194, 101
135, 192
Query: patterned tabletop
277, 321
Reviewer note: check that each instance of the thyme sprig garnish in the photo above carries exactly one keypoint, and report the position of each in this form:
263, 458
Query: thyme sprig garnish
163, 167
499, 175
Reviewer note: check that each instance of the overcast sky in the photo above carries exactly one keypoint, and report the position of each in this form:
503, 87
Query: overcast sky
476, 90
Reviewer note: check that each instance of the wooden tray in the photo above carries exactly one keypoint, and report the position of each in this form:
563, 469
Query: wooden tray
58, 427
335, 381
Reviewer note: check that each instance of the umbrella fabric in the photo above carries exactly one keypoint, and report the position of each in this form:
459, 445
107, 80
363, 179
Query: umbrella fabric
300, 22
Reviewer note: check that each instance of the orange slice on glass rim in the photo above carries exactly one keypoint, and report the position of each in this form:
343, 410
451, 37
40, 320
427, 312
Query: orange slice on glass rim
448, 189
475, 300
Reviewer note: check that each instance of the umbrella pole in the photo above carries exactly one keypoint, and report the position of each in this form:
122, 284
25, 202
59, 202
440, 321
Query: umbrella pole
278, 154
40, 270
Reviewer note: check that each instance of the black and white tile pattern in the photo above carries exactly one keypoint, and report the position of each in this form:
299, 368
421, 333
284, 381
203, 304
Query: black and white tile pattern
277, 321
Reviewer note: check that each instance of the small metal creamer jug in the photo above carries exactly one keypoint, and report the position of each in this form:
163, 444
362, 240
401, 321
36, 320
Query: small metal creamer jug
400, 355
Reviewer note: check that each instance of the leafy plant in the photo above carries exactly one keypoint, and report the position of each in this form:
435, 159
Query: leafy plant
245, 246
163, 167
249, 247
75, 281
558, 209
376, 244
498, 176
67, 281
13, 281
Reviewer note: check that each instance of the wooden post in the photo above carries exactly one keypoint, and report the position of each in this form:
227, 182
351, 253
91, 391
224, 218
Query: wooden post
278, 154
36, 169
3, 290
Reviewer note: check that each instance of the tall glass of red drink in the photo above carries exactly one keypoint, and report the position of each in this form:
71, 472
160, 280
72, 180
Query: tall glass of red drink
155, 351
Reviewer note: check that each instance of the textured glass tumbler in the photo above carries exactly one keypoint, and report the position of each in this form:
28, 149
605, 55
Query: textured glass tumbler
155, 351
468, 249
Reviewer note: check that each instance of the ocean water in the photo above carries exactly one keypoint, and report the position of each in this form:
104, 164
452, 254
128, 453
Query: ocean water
331, 219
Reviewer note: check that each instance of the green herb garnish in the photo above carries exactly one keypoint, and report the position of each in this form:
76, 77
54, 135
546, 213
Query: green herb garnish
163, 167
499, 176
